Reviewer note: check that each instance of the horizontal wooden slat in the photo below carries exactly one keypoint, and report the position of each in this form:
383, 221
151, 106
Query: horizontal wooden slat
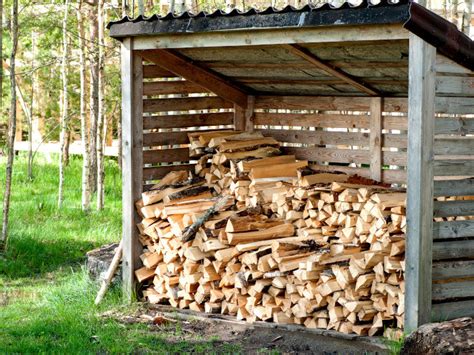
169, 138
191, 120
454, 105
463, 187
453, 229
394, 141
460, 167
444, 291
446, 65
154, 71
388, 176
358, 156
458, 125
184, 104
455, 86
165, 138
165, 155
458, 249
443, 270
453, 208
171, 87
451, 310
311, 120
327, 103
454, 146
317, 137
159, 172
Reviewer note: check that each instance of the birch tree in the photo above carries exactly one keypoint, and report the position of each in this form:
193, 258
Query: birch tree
64, 110
11, 128
86, 179
101, 126
93, 95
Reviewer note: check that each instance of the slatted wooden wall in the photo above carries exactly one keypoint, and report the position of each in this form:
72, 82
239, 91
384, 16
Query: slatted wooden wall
173, 107
333, 133
453, 237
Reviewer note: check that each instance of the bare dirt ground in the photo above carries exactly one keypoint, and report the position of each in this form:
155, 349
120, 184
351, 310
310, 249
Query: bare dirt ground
229, 335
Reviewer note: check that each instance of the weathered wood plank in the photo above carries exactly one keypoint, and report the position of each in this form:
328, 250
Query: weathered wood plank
454, 105
185, 104
463, 187
445, 270
318, 137
452, 310
394, 141
154, 71
165, 138
392, 176
453, 229
458, 249
171, 87
327, 120
358, 156
459, 125
461, 167
446, 65
453, 208
420, 189
445, 291
132, 79
329, 103
375, 139
165, 155
272, 36
459, 86
160, 171
454, 146
190, 120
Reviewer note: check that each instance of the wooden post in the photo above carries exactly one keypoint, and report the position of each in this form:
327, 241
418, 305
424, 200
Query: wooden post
376, 138
420, 183
132, 161
243, 117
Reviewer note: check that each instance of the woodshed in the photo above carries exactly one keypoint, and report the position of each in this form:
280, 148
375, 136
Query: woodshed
384, 91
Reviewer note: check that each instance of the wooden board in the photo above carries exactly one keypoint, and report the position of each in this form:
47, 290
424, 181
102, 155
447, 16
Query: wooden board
188, 120
456, 249
445, 270
184, 104
451, 310
453, 229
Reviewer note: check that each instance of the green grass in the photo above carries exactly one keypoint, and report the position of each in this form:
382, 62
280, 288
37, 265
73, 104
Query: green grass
46, 298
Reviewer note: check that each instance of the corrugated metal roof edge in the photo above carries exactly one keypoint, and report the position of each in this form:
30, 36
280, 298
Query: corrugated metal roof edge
268, 11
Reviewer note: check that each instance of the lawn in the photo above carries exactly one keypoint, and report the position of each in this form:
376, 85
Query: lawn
46, 297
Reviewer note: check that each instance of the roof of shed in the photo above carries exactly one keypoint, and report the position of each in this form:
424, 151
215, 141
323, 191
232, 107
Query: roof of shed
381, 65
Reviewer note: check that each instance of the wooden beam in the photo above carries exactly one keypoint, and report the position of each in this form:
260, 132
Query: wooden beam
184, 67
375, 139
328, 68
243, 117
259, 37
132, 155
421, 98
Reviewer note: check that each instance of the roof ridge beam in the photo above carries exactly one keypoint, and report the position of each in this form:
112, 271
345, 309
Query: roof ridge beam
186, 68
328, 68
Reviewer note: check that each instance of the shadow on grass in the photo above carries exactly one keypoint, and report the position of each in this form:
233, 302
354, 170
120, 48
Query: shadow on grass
28, 256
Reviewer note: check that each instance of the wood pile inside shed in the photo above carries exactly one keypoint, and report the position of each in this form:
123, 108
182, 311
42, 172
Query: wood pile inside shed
262, 236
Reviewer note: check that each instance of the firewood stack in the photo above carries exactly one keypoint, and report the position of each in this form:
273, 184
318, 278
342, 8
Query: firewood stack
288, 244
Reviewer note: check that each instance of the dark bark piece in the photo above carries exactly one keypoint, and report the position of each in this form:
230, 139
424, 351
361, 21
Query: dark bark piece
452, 337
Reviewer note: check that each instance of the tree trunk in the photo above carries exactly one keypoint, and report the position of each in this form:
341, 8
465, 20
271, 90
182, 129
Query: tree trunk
64, 110
467, 16
1, 56
11, 130
86, 187
101, 109
94, 95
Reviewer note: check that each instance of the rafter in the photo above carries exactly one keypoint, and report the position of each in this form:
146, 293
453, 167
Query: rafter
184, 67
328, 68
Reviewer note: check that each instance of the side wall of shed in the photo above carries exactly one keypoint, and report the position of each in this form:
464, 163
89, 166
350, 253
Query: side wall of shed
453, 228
